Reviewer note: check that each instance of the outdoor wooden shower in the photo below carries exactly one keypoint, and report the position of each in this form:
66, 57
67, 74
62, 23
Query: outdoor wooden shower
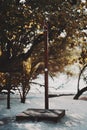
45, 114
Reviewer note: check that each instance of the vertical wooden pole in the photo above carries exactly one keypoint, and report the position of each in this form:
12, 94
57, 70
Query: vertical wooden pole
8, 99
8, 88
46, 64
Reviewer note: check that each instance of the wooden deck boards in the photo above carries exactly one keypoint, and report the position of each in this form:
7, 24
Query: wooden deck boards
41, 115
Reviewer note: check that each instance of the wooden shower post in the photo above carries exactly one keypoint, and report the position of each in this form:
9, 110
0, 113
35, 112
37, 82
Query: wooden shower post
46, 64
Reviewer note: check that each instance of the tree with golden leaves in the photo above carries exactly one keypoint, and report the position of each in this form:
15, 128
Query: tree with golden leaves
21, 34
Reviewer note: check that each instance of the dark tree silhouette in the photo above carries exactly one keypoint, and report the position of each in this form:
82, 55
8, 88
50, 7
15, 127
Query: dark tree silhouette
73, 2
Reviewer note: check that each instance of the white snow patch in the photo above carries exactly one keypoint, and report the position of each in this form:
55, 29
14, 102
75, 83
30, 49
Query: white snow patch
76, 112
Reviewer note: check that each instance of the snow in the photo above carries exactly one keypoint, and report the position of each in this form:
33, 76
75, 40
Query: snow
76, 112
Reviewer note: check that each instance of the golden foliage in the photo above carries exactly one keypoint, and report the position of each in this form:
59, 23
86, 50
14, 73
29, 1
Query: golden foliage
27, 65
2, 79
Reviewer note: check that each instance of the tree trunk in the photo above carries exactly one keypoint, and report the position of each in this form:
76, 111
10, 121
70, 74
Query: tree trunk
8, 88
23, 99
80, 92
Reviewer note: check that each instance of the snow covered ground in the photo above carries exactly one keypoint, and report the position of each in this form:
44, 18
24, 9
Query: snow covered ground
76, 110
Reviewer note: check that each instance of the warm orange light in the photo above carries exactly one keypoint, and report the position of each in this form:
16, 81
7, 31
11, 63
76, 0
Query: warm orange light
0, 52
27, 65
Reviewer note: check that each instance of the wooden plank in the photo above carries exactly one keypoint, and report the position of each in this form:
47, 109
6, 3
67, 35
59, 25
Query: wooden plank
41, 115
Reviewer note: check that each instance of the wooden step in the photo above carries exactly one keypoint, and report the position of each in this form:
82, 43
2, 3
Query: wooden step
41, 115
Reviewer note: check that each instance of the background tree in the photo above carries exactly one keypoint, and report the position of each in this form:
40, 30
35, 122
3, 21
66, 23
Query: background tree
21, 34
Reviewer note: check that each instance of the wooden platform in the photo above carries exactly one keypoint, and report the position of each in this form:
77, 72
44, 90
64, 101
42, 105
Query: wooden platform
41, 115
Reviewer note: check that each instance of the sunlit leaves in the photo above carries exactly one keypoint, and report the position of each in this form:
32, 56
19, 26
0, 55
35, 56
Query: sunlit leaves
22, 23
2, 79
27, 65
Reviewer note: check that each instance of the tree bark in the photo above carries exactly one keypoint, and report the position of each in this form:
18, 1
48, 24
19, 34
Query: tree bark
80, 92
